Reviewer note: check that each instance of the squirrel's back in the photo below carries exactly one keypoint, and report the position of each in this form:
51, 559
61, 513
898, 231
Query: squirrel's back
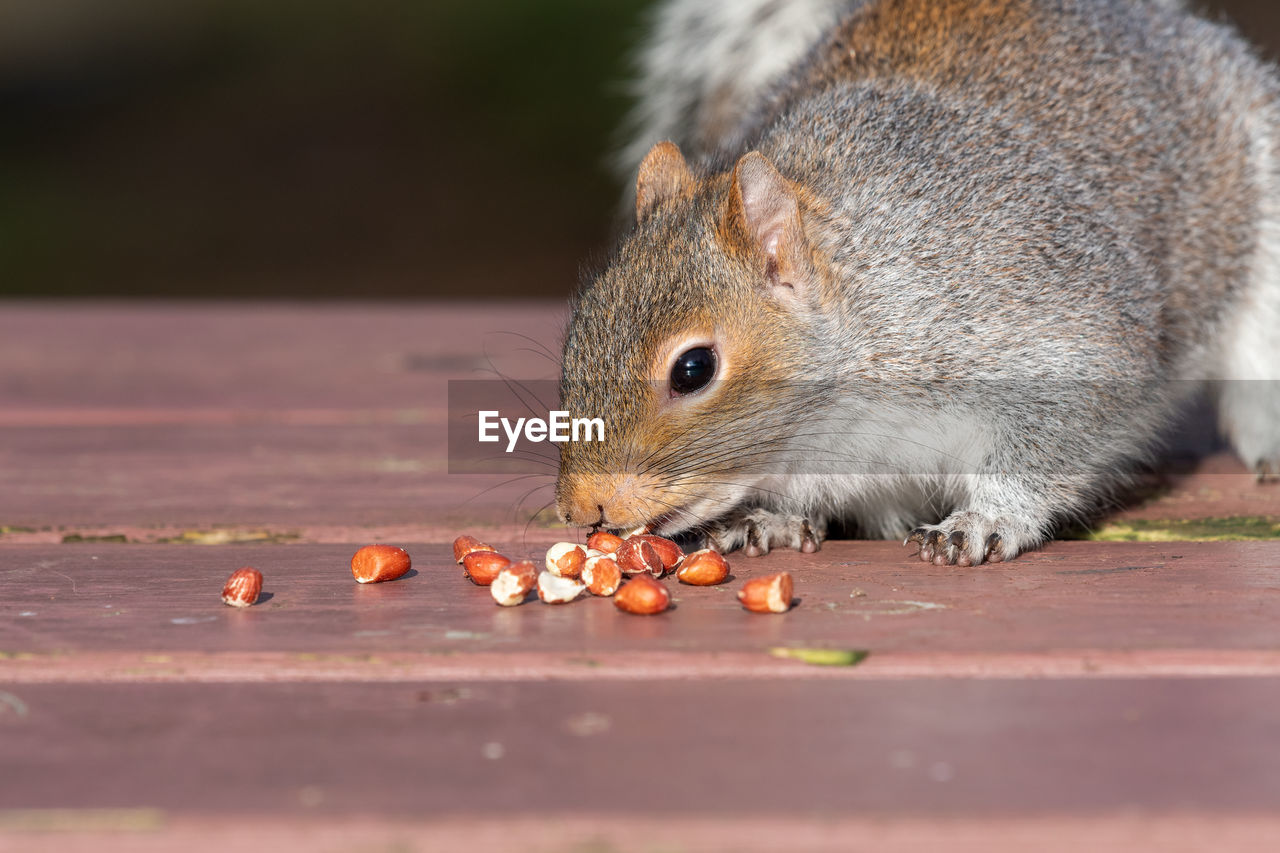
1160, 122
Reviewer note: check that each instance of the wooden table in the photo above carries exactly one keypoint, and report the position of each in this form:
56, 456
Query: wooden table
1096, 694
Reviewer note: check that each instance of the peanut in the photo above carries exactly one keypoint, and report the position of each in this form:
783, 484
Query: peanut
513, 583
636, 556
483, 566
464, 545
703, 568
554, 589
770, 594
565, 559
601, 574
378, 563
643, 595
604, 541
242, 588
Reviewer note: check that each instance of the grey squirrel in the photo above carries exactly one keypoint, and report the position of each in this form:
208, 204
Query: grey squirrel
941, 269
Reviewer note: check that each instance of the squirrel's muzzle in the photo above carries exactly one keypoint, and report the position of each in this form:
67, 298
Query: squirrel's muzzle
614, 501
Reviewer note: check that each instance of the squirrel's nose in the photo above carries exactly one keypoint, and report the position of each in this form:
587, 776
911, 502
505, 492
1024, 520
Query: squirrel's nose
612, 501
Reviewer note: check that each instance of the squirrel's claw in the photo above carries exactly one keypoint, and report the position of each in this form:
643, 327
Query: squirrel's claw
936, 545
970, 539
957, 550
809, 542
994, 549
758, 530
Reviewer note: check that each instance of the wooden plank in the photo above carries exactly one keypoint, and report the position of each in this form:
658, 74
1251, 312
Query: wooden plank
943, 747
626, 832
263, 356
1074, 596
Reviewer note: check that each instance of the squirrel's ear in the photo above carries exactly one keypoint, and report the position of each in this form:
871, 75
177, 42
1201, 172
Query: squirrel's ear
765, 211
663, 176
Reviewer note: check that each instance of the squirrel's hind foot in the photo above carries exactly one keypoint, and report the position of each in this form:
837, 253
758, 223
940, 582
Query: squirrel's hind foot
970, 539
757, 531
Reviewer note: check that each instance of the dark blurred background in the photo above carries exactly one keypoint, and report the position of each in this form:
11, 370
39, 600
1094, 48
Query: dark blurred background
302, 148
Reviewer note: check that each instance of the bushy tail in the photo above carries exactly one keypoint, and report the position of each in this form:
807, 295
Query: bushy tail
705, 63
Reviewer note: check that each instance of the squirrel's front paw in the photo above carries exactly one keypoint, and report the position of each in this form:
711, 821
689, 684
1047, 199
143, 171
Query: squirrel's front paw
758, 530
970, 538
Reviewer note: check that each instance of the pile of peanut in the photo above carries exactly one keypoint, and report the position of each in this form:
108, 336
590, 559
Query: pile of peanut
626, 568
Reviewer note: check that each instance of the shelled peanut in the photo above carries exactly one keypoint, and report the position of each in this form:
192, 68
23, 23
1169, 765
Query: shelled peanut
624, 567
703, 568
482, 567
242, 588
601, 574
378, 563
770, 594
513, 583
642, 595
565, 559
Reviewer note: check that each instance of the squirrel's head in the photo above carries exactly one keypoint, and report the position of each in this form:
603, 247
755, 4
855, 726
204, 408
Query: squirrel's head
690, 346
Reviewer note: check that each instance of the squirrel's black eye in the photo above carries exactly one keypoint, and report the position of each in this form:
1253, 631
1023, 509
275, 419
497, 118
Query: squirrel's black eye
693, 370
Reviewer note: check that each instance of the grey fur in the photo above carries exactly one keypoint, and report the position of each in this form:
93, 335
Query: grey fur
1036, 236
706, 63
